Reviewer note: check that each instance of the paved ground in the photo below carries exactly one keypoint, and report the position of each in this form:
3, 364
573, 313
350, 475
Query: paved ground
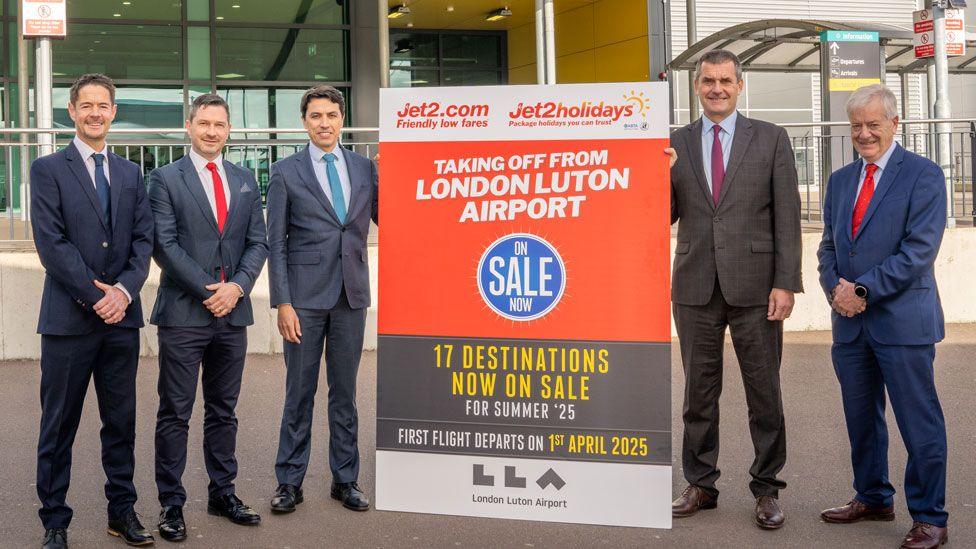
817, 470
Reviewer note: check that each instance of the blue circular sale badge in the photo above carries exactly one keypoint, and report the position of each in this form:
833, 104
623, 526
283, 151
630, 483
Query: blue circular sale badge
521, 277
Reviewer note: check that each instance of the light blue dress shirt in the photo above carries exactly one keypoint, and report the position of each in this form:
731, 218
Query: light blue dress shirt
881, 163
725, 136
318, 165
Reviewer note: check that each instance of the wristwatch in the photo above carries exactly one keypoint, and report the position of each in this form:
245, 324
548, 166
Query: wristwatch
861, 291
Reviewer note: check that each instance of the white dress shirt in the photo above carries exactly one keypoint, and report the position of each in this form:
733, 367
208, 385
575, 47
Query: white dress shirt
319, 166
86, 153
206, 178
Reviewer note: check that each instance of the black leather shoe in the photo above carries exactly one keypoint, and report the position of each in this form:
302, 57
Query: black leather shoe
286, 497
172, 526
128, 527
350, 495
232, 507
55, 538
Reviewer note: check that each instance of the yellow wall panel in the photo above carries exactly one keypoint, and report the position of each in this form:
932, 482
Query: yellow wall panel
619, 20
574, 30
521, 46
575, 68
598, 41
522, 75
623, 62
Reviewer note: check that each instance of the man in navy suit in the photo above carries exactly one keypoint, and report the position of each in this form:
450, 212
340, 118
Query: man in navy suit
211, 245
320, 202
884, 216
93, 232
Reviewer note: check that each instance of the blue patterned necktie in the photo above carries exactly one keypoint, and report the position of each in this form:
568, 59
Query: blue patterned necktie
338, 200
102, 188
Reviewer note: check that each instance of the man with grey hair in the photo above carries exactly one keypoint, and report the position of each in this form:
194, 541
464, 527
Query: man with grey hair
884, 216
736, 265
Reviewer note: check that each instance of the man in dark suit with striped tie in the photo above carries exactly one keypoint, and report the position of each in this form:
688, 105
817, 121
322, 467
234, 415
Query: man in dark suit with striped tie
93, 231
736, 265
211, 245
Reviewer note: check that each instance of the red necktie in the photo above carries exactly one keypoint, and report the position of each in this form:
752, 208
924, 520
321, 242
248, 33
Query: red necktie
718, 165
863, 199
219, 198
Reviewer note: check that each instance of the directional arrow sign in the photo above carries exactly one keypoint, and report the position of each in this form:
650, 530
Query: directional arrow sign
550, 477
833, 48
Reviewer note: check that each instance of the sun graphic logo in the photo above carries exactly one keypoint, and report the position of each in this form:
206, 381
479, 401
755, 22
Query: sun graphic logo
521, 277
642, 104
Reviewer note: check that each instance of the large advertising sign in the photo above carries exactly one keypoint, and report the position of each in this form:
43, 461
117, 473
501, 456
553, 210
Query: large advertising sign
524, 327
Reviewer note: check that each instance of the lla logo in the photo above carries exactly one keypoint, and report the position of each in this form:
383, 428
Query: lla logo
521, 277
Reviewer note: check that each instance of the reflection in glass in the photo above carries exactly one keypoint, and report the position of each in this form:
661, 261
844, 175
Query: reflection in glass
471, 78
413, 78
321, 12
472, 50
120, 51
139, 107
161, 10
409, 49
281, 54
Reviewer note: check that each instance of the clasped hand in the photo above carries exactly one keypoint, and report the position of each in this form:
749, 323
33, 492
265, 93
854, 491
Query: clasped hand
224, 299
111, 307
845, 301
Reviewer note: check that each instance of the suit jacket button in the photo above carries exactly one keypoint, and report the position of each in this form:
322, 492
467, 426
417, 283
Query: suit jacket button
105, 244
343, 230
852, 254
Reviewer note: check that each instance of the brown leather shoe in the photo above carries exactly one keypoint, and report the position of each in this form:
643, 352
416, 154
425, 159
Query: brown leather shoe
691, 501
856, 511
925, 536
768, 514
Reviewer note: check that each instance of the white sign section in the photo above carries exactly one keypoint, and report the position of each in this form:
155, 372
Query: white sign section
44, 18
526, 113
525, 489
925, 33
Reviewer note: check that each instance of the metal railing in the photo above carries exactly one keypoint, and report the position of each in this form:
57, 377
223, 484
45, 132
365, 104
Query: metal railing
819, 148
253, 148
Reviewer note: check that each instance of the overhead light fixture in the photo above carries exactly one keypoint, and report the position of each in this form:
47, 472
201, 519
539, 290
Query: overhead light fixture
230, 75
398, 11
450, 8
498, 15
236, 6
127, 3
403, 46
116, 15
220, 18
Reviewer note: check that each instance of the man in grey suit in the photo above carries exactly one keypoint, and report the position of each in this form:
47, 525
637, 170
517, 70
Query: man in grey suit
736, 265
320, 202
211, 244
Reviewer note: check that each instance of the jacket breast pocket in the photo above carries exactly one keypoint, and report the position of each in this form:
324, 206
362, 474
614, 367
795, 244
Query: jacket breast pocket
682, 247
304, 258
762, 246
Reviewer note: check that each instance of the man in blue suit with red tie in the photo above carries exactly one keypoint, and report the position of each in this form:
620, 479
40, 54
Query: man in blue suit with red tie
884, 216
93, 231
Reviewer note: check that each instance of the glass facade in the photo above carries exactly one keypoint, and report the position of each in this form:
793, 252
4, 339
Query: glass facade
162, 53
420, 58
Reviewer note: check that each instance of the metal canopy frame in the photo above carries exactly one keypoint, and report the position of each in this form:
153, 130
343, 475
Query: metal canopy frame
793, 45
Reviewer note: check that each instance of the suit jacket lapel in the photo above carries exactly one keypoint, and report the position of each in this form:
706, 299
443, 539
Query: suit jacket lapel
696, 161
116, 183
195, 187
77, 166
740, 143
356, 180
848, 197
881, 188
234, 184
307, 174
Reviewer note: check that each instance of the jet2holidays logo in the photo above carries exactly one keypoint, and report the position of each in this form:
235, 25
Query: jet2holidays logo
521, 277
584, 113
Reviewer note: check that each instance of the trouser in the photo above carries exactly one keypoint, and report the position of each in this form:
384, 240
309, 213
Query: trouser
339, 331
865, 368
110, 355
220, 350
758, 347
